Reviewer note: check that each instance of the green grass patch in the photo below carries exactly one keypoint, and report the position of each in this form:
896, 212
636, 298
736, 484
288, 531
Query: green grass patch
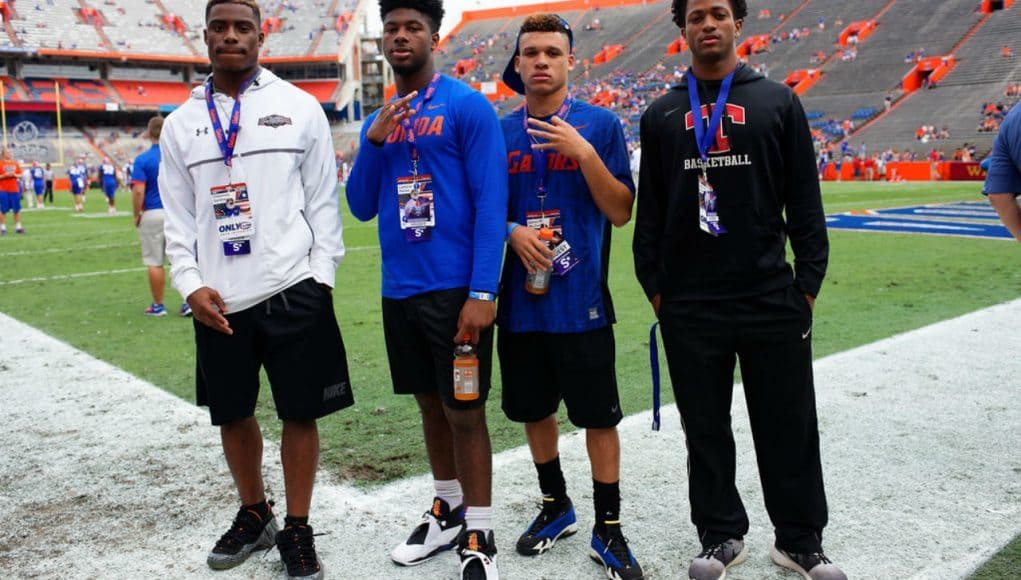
1003, 566
81, 280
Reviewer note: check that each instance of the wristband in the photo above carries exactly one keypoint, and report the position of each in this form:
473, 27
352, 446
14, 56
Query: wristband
485, 296
511, 226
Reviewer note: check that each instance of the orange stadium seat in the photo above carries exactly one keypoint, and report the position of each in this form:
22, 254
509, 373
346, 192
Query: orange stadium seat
10, 93
151, 92
321, 90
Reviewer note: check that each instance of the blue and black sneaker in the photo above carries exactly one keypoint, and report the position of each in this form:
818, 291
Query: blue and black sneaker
555, 521
611, 551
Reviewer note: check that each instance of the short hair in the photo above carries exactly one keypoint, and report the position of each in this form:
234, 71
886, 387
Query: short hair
544, 23
155, 127
431, 9
249, 3
680, 9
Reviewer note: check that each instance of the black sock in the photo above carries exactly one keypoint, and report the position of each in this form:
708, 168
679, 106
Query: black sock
262, 509
290, 521
606, 497
551, 480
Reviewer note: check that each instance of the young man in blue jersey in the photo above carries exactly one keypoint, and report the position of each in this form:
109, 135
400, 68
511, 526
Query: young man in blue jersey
440, 140
727, 177
108, 177
147, 206
569, 172
79, 181
1003, 177
38, 184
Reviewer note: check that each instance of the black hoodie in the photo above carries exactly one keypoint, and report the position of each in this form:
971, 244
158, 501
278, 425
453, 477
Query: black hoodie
762, 168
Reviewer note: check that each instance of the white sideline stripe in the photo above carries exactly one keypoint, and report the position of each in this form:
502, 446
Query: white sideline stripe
111, 272
67, 250
70, 276
919, 443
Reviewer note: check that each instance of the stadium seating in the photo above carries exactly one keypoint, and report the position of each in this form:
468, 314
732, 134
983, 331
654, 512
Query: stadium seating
321, 90
151, 93
981, 75
55, 24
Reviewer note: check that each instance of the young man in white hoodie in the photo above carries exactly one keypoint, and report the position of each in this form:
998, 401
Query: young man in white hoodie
253, 235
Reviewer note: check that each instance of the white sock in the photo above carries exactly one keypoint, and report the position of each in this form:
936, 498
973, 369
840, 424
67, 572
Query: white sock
478, 518
3, 228
449, 490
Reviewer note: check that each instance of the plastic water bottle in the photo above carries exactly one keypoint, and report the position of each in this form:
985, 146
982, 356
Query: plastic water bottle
538, 282
466, 371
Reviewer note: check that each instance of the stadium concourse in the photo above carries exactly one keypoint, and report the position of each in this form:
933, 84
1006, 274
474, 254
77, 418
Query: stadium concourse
919, 487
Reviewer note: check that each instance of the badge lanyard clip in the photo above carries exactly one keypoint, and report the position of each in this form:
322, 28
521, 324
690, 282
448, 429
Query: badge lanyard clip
709, 219
539, 158
227, 141
409, 127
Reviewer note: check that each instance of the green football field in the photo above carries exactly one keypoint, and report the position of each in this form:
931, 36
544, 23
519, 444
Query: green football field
80, 279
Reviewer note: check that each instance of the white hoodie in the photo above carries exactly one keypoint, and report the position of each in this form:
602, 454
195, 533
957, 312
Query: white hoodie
284, 154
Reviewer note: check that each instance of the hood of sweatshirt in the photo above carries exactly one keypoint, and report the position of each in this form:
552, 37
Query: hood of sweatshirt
264, 79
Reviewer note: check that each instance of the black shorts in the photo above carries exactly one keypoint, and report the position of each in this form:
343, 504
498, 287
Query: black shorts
539, 369
294, 335
420, 345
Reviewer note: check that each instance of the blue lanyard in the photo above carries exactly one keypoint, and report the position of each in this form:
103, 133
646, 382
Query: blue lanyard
409, 128
704, 137
228, 141
654, 366
539, 155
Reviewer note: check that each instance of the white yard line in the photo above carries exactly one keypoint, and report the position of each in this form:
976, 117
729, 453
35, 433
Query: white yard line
104, 475
70, 276
66, 250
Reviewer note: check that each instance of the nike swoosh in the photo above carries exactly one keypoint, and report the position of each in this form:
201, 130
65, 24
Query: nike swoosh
668, 113
805, 334
580, 127
434, 107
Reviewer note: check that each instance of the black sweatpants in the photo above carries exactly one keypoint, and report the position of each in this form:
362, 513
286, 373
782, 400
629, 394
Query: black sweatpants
771, 337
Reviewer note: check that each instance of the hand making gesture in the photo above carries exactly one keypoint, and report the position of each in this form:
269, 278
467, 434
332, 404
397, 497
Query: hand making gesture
559, 135
389, 117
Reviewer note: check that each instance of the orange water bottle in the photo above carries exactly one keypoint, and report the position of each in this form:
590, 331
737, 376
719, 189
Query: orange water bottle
538, 282
466, 370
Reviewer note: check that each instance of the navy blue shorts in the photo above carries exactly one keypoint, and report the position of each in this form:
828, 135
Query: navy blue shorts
10, 202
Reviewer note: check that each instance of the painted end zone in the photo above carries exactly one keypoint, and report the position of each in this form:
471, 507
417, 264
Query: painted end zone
970, 219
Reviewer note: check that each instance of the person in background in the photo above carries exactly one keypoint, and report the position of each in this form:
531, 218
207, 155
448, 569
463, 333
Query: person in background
10, 192
1003, 176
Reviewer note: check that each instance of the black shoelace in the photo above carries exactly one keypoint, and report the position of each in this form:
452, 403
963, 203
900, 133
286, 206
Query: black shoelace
616, 544
245, 530
550, 511
298, 551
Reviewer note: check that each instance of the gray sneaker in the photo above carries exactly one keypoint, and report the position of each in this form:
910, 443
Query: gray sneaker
814, 566
713, 562
247, 534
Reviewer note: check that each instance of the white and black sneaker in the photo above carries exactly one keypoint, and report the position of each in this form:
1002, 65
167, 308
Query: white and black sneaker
438, 532
478, 556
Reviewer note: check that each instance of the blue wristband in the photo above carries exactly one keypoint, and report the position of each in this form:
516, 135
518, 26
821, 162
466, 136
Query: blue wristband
486, 296
511, 226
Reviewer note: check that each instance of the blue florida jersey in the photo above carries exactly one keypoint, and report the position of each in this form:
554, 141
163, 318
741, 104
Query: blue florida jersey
578, 301
38, 174
109, 172
461, 152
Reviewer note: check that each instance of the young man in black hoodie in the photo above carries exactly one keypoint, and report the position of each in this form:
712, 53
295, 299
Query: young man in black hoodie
715, 209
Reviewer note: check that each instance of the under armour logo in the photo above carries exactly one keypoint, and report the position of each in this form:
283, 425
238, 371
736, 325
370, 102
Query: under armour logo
202, 131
